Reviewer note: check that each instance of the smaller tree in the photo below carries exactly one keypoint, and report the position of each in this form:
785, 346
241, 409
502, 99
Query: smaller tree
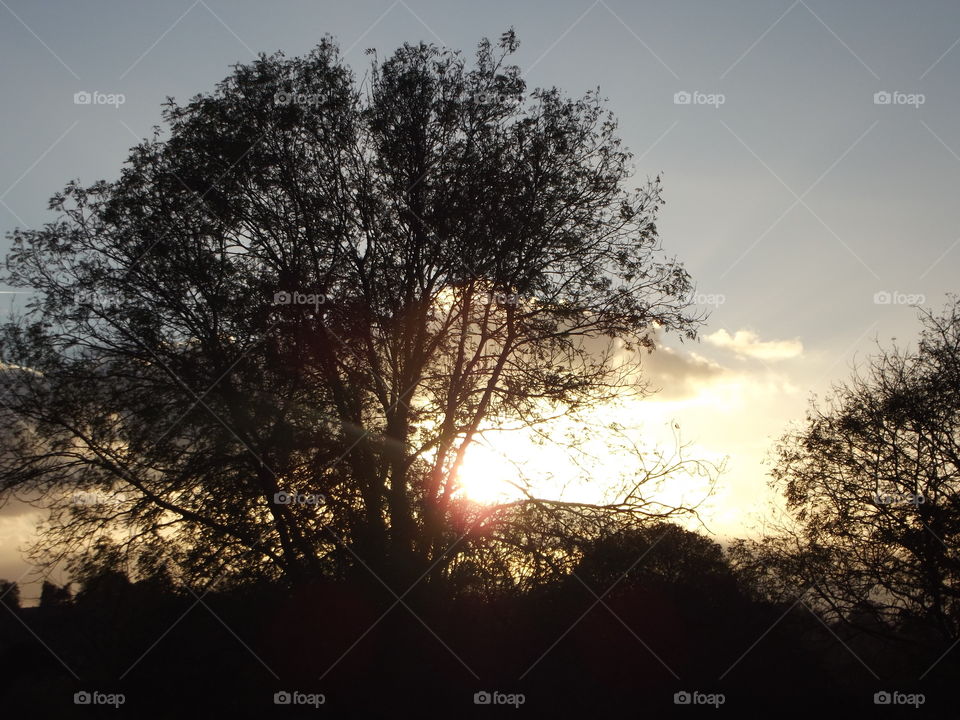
657, 554
52, 595
10, 594
871, 484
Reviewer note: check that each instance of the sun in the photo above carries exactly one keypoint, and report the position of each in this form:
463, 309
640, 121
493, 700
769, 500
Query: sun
487, 476
508, 465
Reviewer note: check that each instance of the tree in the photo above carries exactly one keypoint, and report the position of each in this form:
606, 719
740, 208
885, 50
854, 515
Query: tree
10, 594
265, 349
871, 483
52, 595
656, 554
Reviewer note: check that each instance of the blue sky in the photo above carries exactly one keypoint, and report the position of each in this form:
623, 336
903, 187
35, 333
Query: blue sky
794, 193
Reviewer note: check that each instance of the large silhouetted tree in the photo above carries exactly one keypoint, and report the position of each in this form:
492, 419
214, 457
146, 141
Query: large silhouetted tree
871, 482
266, 347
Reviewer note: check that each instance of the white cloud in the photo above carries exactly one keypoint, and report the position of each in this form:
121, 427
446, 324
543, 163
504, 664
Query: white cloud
746, 343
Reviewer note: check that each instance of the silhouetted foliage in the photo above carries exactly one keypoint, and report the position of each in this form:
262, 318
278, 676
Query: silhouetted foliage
52, 595
661, 553
871, 485
10, 594
649, 612
263, 351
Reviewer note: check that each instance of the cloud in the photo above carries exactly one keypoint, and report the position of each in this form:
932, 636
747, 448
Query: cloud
679, 374
746, 343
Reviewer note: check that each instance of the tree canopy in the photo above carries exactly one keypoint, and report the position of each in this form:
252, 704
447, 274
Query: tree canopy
265, 348
871, 481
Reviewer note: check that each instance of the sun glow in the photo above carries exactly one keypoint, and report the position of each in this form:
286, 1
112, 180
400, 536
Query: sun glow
485, 476
507, 465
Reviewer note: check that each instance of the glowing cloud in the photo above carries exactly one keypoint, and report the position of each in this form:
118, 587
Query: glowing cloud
746, 343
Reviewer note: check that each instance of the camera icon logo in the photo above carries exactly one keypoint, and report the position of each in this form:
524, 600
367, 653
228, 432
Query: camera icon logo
682, 98
282, 698
882, 298
282, 498
682, 698
82, 98
282, 298
82, 698
882, 698
882, 97
282, 98
482, 698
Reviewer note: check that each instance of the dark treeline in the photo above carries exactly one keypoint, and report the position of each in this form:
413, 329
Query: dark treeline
678, 620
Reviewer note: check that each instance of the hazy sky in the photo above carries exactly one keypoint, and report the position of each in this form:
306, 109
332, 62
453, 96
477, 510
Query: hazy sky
795, 193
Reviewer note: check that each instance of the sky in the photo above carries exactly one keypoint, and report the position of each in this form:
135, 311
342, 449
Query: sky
809, 153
